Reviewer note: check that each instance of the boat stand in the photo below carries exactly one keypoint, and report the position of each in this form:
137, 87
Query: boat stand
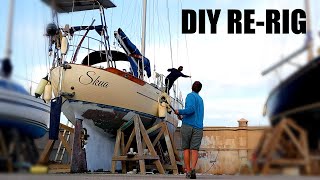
282, 147
17, 151
58, 164
146, 148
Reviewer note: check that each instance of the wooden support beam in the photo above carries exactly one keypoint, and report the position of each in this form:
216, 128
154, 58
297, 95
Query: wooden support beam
65, 143
155, 127
133, 133
174, 148
4, 153
126, 125
156, 140
149, 145
44, 157
139, 144
135, 158
3, 147
289, 162
170, 151
294, 140
285, 145
70, 129
78, 159
141, 136
123, 164
116, 150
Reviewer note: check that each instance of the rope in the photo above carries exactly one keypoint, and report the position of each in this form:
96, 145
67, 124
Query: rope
154, 39
158, 25
178, 25
72, 12
121, 17
185, 38
168, 15
23, 78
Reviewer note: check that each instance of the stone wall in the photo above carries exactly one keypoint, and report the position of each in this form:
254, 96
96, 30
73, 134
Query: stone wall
224, 149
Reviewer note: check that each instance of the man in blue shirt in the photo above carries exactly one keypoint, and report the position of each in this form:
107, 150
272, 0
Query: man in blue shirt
192, 128
174, 75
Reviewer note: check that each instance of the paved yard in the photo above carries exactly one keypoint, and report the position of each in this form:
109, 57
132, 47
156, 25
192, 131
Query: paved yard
138, 177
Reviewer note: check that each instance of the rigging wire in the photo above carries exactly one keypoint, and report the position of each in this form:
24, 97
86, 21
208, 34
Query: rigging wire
178, 18
185, 38
158, 25
73, 38
44, 21
121, 17
24, 78
37, 42
111, 26
24, 51
154, 39
168, 18
161, 29
169, 34
79, 34
187, 51
130, 26
72, 12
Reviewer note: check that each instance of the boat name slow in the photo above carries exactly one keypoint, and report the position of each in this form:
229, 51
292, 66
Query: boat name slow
89, 79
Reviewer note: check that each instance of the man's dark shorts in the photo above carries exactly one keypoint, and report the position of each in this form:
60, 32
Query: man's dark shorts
191, 137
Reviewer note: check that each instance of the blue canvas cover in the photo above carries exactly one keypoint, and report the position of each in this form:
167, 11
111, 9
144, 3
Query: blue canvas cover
134, 51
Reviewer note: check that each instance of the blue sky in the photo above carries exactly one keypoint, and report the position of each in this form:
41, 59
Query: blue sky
229, 66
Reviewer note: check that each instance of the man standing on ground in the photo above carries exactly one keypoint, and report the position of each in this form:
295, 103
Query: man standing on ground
192, 128
174, 75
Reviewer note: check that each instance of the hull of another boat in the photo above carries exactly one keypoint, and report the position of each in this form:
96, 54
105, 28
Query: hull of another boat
298, 98
23, 112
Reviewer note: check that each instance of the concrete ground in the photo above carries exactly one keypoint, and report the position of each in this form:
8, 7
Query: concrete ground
140, 177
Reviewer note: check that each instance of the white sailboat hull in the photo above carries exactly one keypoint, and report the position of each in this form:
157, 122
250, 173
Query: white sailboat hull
106, 96
102, 98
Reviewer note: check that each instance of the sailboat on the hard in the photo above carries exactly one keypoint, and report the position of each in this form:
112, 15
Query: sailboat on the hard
297, 96
102, 97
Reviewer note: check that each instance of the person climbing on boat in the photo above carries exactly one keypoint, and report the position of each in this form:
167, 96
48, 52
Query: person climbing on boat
192, 128
174, 75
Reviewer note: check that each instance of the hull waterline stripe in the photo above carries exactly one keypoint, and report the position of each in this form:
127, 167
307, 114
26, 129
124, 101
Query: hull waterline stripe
33, 100
119, 108
147, 96
296, 110
23, 104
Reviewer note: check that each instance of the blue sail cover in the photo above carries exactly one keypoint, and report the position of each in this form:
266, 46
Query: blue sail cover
133, 50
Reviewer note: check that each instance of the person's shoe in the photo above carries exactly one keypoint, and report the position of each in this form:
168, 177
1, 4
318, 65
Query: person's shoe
188, 175
193, 174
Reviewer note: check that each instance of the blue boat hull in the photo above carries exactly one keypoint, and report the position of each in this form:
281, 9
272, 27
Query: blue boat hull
21, 111
298, 97
26, 127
